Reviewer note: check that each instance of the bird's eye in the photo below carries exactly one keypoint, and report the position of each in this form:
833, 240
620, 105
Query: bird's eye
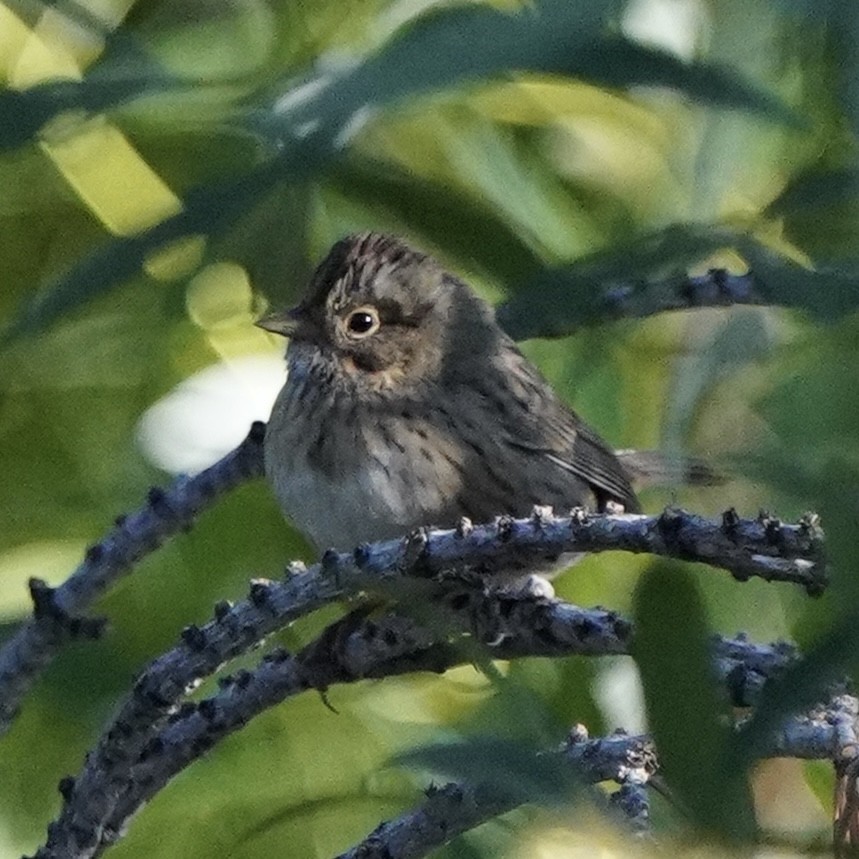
362, 322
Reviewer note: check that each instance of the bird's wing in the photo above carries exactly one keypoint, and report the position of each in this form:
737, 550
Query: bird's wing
591, 459
554, 430
583, 453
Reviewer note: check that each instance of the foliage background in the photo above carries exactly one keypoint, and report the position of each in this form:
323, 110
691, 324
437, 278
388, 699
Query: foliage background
661, 134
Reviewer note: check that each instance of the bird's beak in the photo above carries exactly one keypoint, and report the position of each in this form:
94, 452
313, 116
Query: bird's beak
290, 323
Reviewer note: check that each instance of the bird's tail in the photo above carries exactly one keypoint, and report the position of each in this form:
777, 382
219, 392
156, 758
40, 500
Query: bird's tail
655, 468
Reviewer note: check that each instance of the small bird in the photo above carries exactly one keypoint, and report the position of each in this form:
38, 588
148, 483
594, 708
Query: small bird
406, 404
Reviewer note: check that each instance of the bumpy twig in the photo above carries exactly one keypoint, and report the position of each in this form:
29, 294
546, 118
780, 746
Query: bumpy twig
633, 802
629, 760
358, 647
627, 299
456, 808
746, 547
715, 288
57, 616
845, 824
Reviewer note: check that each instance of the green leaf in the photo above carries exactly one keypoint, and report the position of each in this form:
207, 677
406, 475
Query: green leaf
444, 216
672, 652
449, 47
309, 124
123, 71
207, 211
619, 62
441, 49
726, 344
827, 293
814, 189
820, 778
511, 772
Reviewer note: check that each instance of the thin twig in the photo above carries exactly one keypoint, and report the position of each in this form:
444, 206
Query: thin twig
57, 616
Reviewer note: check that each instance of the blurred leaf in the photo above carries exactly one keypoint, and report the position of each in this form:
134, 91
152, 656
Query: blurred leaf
271, 241
438, 49
312, 121
721, 346
825, 293
817, 392
69, 404
818, 209
561, 687
467, 229
225, 44
619, 62
23, 114
673, 655
520, 185
123, 71
515, 711
511, 772
820, 777
207, 210
315, 121
814, 189
504, 751
442, 48
446, 47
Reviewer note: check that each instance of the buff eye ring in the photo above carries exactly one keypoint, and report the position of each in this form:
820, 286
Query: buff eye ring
362, 322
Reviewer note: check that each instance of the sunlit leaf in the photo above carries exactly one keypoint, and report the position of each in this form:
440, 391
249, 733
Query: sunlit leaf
206, 211
309, 124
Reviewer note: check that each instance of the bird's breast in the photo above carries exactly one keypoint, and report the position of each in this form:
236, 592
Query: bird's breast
346, 475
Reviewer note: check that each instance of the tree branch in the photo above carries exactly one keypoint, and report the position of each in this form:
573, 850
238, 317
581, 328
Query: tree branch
588, 294
57, 611
355, 648
715, 288
763, 547
457, 808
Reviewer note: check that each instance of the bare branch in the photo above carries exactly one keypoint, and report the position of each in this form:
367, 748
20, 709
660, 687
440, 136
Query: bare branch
357, 647
501, 546
633, 802
845, 825
57, 611
715, 288
457, 808
612, 298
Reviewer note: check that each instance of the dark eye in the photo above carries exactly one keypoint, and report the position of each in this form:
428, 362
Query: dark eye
362, 322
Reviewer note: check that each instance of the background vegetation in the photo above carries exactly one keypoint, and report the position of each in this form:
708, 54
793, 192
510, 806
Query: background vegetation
169, 169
